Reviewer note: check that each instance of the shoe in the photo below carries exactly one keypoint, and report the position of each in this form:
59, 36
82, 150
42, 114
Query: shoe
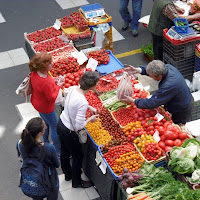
83, 184
135, 32
68, 178
125, 26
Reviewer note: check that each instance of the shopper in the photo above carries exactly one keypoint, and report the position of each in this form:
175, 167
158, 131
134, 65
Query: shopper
44, 94
71, 120
162, 15
173, 91
31, 146
126, 16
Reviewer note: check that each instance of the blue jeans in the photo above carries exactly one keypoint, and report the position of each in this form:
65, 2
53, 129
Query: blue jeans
126, 16
51, 123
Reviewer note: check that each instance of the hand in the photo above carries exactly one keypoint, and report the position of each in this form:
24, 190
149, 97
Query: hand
133, 70
180, 10
93, 110
128, 100
94, 118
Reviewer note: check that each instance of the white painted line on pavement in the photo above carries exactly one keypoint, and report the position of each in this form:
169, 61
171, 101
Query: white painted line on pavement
13, 58
2, 19
116, 35
2, 130
65, 4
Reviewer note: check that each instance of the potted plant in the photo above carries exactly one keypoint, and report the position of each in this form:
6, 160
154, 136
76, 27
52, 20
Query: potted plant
148, 52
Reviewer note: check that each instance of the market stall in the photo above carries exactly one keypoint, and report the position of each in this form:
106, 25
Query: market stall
125, 139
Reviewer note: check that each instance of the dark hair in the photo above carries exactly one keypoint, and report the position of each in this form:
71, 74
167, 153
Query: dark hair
40, 62
88, 80
33, 127
156, 67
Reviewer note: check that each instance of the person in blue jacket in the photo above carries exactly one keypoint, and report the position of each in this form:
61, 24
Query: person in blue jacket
32, 146
173, 91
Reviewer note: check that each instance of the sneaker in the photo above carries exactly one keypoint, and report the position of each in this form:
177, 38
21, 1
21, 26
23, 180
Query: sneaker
125, 26
135, 32
83, 184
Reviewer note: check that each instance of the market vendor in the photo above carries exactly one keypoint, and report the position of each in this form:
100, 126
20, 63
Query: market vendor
173, 91
162, 15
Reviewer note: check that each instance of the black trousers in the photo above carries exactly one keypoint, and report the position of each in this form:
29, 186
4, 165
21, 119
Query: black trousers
185, 115
157, 47
70, 145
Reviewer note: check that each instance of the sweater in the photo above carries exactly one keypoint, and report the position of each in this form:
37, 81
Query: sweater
173, 92
158, 21
76, 104
44, 93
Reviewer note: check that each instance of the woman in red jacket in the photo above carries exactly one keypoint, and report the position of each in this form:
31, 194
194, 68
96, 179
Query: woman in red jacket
44, 94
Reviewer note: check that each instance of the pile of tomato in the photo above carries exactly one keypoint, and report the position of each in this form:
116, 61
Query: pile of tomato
100, 55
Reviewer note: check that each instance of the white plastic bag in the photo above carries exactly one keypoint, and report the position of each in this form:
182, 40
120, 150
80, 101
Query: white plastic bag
196, 81
124, 87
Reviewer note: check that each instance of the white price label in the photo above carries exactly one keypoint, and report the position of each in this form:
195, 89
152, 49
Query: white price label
92, 63
156, 136
103, 166
57, 24
159, 116
98, 158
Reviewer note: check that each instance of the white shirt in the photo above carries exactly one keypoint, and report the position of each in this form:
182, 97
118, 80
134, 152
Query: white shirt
76, 104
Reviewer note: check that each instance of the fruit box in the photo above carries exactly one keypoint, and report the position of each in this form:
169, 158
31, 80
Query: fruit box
181, 25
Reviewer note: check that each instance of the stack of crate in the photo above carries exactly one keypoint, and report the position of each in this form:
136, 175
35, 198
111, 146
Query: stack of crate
196, 108
180, 53
197, 58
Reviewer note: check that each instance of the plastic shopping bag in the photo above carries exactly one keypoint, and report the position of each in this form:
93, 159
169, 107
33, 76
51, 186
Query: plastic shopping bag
124, 87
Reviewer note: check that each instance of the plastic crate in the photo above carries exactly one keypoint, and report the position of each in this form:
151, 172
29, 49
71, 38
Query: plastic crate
101, 20
178, 41
113, 65
197, 58
83, 43
179, 52
181, 29
196, 111
186, 67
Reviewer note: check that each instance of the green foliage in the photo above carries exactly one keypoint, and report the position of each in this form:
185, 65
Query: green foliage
148, 49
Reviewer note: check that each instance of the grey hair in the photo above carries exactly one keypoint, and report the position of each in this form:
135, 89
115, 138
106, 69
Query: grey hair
88, 80
156, 67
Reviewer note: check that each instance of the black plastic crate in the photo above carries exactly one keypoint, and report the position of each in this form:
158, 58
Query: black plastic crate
196, 111
179, 52
197, 64
84, 43
186, 67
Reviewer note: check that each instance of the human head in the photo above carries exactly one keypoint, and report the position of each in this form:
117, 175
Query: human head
156, 69
88, 80
34, 127
40, 62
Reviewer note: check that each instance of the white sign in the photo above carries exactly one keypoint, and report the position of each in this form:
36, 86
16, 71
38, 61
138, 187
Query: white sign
92, 63
98, 158
159, 116
57, 24
156, 136
103, 166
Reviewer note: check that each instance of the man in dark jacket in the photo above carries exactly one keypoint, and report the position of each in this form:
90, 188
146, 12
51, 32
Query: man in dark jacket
162, 15
173, 91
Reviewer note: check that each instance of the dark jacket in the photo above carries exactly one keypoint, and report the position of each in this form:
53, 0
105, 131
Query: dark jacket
51, 160
173, 92
158, 21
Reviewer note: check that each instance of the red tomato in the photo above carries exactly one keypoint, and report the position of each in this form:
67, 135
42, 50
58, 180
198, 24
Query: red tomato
177, 142
169, 128
171, 135
147, 115
163, 138
182, 135
167, 148
152, 113
161, 144
169, 143
160, 130
166, 124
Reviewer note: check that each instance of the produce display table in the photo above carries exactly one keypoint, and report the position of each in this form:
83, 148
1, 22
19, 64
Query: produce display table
107, 187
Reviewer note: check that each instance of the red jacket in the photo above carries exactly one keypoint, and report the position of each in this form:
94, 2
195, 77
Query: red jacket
44, 93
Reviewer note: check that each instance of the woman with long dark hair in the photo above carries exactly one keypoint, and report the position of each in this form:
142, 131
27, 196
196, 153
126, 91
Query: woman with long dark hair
31, 146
